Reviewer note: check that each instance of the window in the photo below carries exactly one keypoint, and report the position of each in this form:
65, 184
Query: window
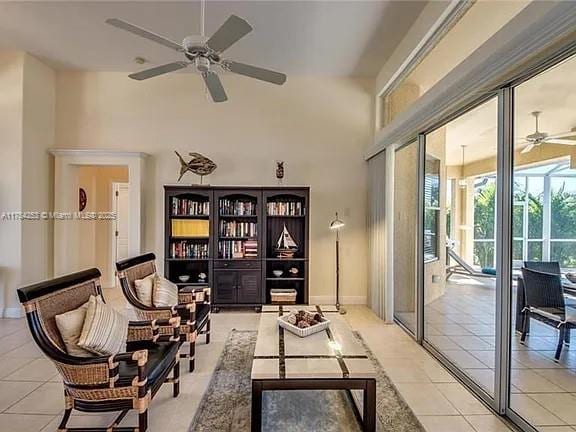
431, 207
544, 208
484, 221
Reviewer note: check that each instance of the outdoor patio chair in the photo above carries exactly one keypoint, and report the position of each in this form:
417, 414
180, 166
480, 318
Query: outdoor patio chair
121, 382
545, 303
552, 267
193, 303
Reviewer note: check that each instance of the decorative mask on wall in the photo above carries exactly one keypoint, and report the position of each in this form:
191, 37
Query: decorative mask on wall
280, 171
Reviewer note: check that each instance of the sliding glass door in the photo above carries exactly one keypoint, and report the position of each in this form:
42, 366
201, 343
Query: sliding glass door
459, 252
406, 162
543, 363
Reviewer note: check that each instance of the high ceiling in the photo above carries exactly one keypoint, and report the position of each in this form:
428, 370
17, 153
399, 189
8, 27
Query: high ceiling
553, 92
337, 38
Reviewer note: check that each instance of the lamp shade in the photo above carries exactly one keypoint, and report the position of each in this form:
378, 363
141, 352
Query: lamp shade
336, 223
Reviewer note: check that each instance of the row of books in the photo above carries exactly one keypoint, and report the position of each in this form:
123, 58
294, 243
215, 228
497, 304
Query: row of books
285, 208
190, 228
235, 249
188, 249
237, 207
237, 229
188, 207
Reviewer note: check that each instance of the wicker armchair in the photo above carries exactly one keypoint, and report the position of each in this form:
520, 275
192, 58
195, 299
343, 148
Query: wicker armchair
193, 304
122, 382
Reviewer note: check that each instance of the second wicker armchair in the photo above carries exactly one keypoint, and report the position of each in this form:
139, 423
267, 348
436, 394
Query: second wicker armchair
193, 304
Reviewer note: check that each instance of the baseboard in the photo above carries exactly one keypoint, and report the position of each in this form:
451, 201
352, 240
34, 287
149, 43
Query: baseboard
13, 312
350, 300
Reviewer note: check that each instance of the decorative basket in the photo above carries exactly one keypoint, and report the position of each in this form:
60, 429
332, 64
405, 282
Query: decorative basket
303, 332
283, 296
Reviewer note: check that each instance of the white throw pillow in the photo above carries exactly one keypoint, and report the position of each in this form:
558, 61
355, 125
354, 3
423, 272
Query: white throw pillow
70, 327
105, 330
144, 289
165, 292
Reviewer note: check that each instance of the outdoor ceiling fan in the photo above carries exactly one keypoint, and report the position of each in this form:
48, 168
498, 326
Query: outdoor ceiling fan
538, 138
205, 56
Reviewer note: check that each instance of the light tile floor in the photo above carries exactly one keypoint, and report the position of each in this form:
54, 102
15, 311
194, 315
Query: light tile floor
31, 392
461, 324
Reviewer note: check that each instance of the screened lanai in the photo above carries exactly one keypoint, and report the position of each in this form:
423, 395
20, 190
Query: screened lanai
544, 215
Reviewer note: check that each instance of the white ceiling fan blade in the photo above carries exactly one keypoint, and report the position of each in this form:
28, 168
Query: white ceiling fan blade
569, 135
256, 72
139, 31
214, 86
158, 70
528, 148
560, 141
233, 29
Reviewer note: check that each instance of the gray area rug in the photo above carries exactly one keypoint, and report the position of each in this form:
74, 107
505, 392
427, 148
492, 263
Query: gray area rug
226, 405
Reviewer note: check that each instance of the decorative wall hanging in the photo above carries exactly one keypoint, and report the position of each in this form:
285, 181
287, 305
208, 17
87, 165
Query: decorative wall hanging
199, 165
82, 199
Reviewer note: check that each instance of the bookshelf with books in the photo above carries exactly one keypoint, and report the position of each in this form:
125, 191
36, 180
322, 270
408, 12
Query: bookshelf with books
229, 235
286, 228
188, 236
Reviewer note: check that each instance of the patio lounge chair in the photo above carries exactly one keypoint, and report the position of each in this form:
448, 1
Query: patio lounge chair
463, 267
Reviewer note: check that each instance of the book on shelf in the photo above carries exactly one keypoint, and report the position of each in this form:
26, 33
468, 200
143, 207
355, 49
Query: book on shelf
285, 208
190, 228
188, 249
237, 229
229, 207
188, 207
251, 249
234, 249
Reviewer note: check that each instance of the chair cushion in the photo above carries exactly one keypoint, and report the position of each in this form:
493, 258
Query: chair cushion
105, 330
70, 327
144, 289
160, 356
165, 292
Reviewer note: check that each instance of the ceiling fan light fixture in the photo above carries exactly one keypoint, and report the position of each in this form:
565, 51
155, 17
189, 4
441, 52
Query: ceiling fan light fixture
202, 64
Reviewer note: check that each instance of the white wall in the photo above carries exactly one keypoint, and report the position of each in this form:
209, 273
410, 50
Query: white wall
37, 167
11, 102
27, 103
319, 126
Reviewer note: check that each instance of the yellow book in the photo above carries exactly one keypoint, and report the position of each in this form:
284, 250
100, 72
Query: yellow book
190, 228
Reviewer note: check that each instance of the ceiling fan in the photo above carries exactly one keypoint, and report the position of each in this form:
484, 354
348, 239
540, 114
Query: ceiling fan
538, 138
204, 56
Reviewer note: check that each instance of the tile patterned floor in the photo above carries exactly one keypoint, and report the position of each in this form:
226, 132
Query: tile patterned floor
460, 324
31, 392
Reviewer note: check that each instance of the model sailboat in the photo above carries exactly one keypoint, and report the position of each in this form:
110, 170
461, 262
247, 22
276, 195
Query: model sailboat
286, 246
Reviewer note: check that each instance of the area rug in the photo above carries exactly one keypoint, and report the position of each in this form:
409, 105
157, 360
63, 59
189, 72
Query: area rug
226, 405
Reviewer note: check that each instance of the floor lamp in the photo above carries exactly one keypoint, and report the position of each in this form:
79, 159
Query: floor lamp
336, 225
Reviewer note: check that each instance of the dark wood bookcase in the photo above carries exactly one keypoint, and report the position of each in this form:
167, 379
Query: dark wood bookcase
234, 243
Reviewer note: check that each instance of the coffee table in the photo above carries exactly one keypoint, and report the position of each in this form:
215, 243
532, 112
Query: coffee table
329, 360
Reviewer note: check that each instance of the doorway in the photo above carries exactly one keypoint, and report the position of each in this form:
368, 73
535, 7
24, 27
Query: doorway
75, 237
120, 238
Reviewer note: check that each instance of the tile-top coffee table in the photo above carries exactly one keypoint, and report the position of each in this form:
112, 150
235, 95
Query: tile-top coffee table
329, 360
